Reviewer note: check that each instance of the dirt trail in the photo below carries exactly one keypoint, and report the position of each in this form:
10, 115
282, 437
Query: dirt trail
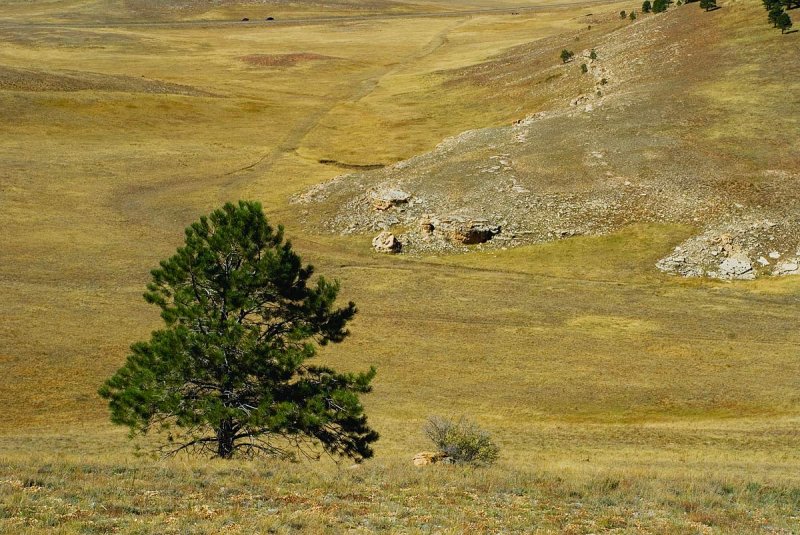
359, 91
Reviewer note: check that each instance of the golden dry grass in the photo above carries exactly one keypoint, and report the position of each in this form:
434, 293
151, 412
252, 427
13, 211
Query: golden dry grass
621, 398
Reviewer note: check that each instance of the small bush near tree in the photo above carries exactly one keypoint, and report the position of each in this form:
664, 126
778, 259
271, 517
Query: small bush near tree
632, 16
646, 6
623, 14
784, 22
462, 441
593, 55
584, 68
566, 55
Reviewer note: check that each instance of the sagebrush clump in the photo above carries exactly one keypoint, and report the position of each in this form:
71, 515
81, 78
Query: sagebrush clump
462, 441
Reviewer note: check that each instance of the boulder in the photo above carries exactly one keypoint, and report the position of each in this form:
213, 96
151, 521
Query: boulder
386, 242
787, 268
426, 224
474, 232
425, 458
387, 198
737, 266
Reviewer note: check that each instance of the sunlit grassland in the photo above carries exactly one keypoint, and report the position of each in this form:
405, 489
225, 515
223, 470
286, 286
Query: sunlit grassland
621, 398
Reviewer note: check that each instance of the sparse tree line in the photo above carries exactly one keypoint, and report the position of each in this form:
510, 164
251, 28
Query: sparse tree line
777, 15
776, 9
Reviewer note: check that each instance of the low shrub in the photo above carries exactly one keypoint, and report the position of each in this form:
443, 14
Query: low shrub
462, 441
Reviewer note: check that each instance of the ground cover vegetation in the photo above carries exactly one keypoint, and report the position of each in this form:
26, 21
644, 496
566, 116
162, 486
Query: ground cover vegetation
621, 399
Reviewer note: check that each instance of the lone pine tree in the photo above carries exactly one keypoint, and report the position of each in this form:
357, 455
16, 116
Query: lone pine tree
229, 372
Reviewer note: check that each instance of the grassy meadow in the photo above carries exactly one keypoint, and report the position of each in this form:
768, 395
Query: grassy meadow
623, 400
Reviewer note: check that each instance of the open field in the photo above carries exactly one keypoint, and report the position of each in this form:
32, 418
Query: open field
623, 399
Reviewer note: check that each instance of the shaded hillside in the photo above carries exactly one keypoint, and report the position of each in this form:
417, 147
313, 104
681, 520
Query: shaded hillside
681, 118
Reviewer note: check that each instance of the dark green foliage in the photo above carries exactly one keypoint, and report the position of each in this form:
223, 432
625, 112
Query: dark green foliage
708, 4
228, 372
593, 55
566, 55
659, 6
774, 14
632, 15
462, 441
646, 6
784, 22
584, 68
622, 14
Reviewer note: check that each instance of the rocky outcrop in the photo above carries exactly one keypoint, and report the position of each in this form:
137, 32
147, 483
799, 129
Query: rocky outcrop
474, 232
387, 243
737, 266
385, 199
741, 249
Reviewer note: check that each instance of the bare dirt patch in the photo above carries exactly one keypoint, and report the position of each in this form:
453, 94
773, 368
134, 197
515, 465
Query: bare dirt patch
283, 60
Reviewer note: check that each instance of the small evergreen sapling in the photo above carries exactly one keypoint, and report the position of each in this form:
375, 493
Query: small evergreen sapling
784, 22
708, 4
774, 14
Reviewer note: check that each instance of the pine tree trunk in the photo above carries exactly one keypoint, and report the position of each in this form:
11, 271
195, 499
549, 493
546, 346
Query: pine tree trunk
225, 440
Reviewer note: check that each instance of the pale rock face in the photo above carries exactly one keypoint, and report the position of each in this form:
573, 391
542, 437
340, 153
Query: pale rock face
787, 268
737, 266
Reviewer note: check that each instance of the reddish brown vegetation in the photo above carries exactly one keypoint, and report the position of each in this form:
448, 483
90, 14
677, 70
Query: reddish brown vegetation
282, 60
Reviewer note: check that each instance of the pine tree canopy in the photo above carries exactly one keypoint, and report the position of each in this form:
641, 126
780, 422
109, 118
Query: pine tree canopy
229, 372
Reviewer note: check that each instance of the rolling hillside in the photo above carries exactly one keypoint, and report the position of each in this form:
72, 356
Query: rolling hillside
624, 399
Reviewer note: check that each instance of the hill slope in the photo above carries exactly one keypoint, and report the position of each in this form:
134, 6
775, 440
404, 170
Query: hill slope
679, 119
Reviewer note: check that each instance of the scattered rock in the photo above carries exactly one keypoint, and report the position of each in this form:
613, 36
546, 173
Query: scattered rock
386, 242
775, 255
